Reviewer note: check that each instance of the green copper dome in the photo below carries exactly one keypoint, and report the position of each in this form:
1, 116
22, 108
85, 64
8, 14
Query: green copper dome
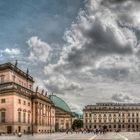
58, 102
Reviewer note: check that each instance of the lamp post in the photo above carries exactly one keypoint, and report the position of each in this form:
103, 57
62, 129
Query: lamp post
32, 113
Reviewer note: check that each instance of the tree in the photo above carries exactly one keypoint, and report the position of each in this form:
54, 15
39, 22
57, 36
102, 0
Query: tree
77, 124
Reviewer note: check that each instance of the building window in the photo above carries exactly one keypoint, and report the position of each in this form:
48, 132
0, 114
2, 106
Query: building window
19, 116
19, 101
28, 118
90, 126
133, 126
133, 120
2, 79
132, 114
24, 117
14, 78
24, 102
28, 103
2, 117
3, 101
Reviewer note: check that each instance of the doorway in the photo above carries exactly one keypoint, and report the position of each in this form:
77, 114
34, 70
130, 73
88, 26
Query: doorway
9, 129
19, 129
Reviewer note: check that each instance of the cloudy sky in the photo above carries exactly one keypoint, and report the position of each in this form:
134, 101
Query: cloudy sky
85, 51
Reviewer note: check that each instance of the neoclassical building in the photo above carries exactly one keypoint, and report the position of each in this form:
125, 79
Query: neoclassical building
112, 116
63, 115
24, 110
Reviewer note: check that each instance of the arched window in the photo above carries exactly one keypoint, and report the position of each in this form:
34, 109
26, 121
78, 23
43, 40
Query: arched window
19, 109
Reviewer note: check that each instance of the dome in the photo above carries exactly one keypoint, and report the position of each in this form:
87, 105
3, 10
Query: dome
58, 102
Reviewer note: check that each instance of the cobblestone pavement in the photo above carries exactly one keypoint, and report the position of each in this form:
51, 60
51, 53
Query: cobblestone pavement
63, 136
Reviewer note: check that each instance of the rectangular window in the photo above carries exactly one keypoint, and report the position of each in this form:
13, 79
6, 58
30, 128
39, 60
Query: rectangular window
3, 101
24, 117
3, 117
24, 102
19, 101
2, 79
28, 118
28, 103
19, 116
14, 78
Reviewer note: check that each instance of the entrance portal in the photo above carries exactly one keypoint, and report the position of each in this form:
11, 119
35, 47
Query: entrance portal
56, 127
9, 129
19, 129
105, 127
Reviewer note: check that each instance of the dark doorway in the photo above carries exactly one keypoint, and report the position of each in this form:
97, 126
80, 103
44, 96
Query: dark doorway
28, 129
56, 127
9, 129
105, 127
19, 129
67, 125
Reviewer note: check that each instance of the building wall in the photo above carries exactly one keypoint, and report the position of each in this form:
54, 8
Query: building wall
125, 118
36, 110
63, 120
44, 116
8, 105
9, 77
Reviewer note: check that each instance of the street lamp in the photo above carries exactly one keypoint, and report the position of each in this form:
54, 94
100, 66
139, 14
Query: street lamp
32, 113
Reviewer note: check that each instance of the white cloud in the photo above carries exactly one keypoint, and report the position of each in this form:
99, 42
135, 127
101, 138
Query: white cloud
40, 50
10, 51
100, 54
59, 84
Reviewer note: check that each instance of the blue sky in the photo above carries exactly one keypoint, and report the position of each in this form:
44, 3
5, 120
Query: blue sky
48, 19
85, 51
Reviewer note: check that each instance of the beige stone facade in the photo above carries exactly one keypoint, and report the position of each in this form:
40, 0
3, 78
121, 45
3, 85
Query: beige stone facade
44, 114
22, 109
63, 120
112, 116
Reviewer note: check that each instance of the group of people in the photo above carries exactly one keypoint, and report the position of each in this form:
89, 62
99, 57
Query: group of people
82, 130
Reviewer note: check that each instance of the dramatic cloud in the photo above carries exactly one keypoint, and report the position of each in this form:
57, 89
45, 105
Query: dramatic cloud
59, 84
121, 98
101, 54
98, 60
40, 50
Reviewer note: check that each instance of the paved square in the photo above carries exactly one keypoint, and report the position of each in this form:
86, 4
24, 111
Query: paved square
90, 136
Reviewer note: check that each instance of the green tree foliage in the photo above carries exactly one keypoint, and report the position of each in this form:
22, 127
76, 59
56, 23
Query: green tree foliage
77, 124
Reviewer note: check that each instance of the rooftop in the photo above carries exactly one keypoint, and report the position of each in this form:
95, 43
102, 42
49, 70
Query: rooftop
58, 102
16, 69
